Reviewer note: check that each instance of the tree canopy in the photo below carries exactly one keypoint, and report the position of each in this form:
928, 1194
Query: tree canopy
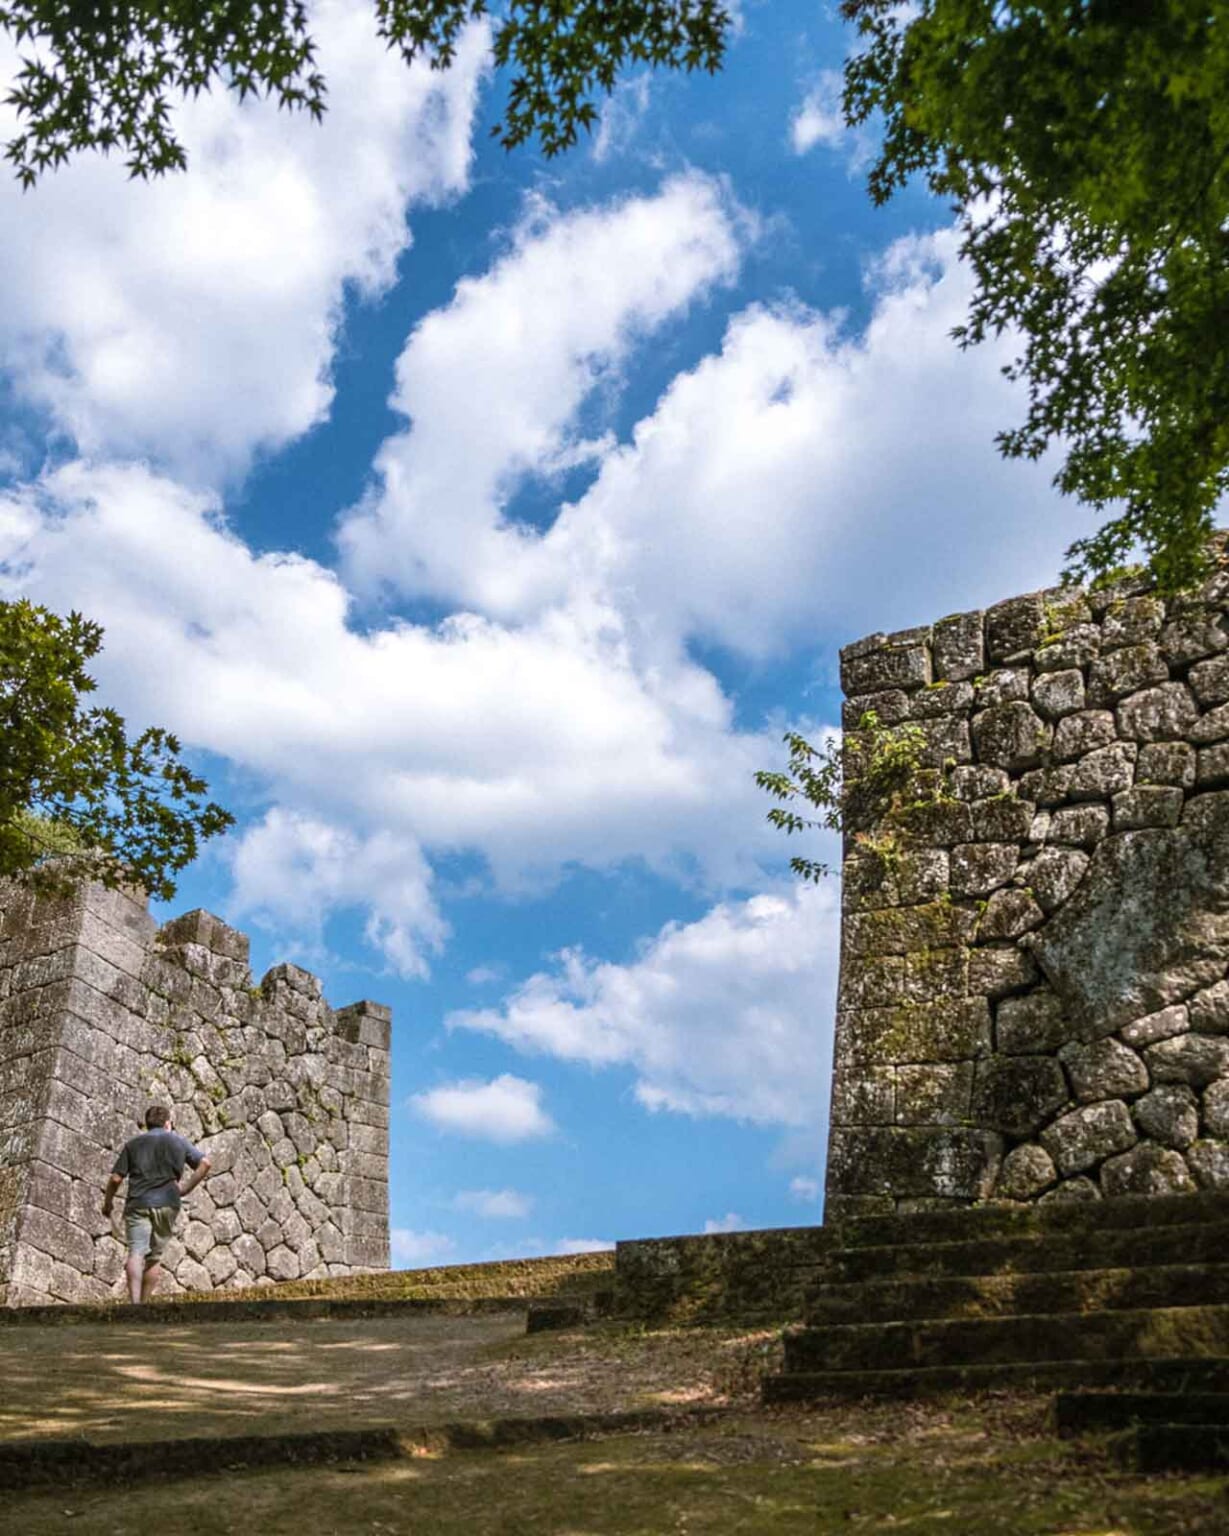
76, 796
1084, 145
103, 76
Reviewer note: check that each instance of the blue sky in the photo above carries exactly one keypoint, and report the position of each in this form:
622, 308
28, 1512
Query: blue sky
480, 523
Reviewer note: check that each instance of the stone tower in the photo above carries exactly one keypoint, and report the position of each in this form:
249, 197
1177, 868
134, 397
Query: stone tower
101, 1013
1034, 993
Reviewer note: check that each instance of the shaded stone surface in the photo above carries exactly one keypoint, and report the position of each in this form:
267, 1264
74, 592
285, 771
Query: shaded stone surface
1030, 1024
1166, 762
1147, 1170
1209, 1162
979, 868
1011, 736
959, 646
1040, 921
1216, 1110
1108, 951
1087, 1136
1026, 1171
1017, 1095
1104, 1069
1058, 693
916, 1161
1168, 1114
1008, 915
1189, 1058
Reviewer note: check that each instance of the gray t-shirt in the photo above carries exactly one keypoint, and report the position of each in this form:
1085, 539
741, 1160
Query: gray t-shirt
153, 1164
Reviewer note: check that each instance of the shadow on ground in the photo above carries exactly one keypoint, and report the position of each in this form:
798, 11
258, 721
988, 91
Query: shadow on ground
134, 1383
989, 1466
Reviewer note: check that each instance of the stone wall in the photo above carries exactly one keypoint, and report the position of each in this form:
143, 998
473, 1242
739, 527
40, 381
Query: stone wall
1033, 1001
102, 1013
746, 1277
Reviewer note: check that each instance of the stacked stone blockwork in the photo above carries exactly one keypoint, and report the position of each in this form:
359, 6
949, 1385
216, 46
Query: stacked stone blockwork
101, 1013
1033, 1001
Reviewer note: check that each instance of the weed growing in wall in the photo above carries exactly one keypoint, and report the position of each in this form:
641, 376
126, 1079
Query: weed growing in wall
857, 783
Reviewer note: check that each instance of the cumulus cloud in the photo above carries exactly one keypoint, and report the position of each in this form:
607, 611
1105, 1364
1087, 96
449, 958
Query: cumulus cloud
499, 1204
534, 745
493, 383
292, 870
804, 483
622, 114
729, 1015
805, 1189
411, 1250
570, 1245
505, 1110
809, 479
730, 1222
193, 318
819, 119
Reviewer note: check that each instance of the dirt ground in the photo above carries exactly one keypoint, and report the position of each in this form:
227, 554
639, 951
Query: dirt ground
147, 1382
959, 1467
932, 1470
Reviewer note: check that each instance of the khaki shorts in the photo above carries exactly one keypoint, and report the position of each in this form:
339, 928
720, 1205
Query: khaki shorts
149, 1230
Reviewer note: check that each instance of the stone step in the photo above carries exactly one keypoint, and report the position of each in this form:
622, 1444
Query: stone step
1079, 1413
1109, 1248
1172, 1331
1177, 1448
969, 1223
1007, 1295
188, 1314
1171, 1375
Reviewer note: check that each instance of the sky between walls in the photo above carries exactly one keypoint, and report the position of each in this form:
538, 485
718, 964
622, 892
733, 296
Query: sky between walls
480, 523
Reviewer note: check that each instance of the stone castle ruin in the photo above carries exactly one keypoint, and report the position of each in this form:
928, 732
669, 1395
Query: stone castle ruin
101, 1013
1033, 1002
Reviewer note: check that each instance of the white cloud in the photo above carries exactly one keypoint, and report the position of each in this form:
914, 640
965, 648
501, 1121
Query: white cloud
500, 1204
493, 383
622, 114
806, 1189
729, 1015
570, 1245
812, 481
730, 1222
483, 975
505, 1110
193, 318
810, 484
291, 871
820, 120
535, 745
411, 1250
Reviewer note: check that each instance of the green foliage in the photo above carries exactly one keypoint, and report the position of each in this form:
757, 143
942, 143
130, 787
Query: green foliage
76, 796
862, 778
1084, 145
103, 76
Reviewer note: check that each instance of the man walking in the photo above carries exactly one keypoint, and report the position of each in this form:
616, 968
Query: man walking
153, 1163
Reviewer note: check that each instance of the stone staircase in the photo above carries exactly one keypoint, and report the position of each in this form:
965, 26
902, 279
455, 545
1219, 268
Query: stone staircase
1119, 1294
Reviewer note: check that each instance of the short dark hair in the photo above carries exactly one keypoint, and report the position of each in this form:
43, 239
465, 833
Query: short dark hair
156, 1116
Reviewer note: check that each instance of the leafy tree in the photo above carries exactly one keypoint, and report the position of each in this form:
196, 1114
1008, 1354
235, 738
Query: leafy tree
853, 783
76, 796
1085, 147
102, 75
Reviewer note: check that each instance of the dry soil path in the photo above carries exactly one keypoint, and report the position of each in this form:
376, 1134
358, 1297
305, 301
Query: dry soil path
133, 1382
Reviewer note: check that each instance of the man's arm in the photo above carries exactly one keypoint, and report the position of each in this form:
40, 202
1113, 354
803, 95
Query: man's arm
110, 1189
201, 1171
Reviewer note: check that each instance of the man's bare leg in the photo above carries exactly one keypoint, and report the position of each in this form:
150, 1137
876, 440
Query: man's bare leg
149, 1281
135, 1271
